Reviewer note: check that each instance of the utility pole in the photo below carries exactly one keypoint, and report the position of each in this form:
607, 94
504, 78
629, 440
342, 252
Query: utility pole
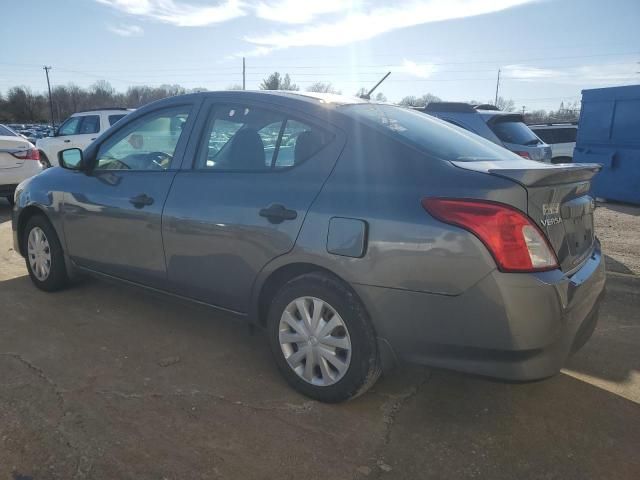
497, 89
244, 75
523, 110
46, 71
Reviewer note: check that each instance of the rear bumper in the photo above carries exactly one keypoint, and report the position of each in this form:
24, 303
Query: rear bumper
511, 326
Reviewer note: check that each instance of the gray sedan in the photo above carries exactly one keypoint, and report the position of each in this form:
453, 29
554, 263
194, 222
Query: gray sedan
356, 234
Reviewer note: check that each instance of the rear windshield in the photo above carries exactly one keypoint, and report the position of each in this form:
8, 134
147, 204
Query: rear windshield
5, 132
510, 131
433, 136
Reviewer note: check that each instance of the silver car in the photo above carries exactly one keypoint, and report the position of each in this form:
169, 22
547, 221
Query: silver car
356, 234
502, 128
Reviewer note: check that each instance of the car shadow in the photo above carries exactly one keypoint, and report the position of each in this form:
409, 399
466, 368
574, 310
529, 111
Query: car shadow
614, 265
626, 208
129, 368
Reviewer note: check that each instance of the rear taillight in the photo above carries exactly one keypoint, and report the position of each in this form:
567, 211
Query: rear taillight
516, 243
523, 155
30, 154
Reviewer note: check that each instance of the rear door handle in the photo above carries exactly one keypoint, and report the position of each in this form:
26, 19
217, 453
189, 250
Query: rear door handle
66, 141
277, 213
141, 200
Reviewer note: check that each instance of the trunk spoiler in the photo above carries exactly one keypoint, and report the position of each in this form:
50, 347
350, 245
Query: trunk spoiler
533, 174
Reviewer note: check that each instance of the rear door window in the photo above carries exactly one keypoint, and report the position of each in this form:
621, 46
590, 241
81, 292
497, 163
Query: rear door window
566, 135
246, 138
89, 124
114, 118
548, 135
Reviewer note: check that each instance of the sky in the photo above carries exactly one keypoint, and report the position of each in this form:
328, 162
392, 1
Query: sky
547, 50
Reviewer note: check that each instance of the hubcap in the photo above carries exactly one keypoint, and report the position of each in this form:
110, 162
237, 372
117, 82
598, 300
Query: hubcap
39, 253
315, 341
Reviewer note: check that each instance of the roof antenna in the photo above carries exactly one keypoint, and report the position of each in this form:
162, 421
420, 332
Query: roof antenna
367, 96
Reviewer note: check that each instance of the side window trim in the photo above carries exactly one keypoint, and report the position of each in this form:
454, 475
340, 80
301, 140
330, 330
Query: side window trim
276, 150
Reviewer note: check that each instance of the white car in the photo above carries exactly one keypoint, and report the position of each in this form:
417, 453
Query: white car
78, 131
19, 160
561, 137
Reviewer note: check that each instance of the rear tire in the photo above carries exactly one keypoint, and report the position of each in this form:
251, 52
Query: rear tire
44, 160
43, 255
337, 336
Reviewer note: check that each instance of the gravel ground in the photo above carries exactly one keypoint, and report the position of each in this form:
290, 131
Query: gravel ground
618, 227
103, 381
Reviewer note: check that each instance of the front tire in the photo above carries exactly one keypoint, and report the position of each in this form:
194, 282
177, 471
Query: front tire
322, 339
44, 256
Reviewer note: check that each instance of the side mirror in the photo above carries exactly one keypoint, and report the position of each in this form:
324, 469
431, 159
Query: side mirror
71, 159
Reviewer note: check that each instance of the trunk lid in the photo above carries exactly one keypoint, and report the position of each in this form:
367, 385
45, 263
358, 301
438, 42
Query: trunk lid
558, 200
9, 145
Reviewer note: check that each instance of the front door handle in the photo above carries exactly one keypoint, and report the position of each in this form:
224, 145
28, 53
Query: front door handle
141, 200
277, 213
67, 141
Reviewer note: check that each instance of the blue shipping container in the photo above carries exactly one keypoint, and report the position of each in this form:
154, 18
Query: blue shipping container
609, 134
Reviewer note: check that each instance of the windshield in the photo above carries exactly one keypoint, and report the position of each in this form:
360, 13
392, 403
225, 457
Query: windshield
433, 136
510, 131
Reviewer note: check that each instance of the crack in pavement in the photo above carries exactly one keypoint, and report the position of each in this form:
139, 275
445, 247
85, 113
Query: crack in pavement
287, 407
391, 408
81, 469
39, 372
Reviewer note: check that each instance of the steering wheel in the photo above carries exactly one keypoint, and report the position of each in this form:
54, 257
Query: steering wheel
159, 157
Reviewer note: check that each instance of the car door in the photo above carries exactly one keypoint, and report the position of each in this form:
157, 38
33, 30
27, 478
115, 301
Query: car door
65, 135
112, 214
242, 201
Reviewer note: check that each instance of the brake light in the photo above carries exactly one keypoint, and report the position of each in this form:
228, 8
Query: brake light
30, 154
514, 241
523, 155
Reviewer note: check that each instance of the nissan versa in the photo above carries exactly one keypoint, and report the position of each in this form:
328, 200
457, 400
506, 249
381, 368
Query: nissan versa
355, 233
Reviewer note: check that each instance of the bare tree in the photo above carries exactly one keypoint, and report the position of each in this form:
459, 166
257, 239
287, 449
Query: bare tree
322, 87
380, 97
413, 101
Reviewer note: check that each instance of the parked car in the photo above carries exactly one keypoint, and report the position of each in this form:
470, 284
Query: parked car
560, 136
19, 160
78, 131
355, 233
609, 134
502, 128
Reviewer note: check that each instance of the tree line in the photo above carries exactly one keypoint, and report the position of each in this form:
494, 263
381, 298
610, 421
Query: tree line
21, 105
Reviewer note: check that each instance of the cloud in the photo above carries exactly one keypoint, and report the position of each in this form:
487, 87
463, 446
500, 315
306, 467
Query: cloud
583, 75
424, 70
126, 30
363, 25
299, 11
179, 13
525, 72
